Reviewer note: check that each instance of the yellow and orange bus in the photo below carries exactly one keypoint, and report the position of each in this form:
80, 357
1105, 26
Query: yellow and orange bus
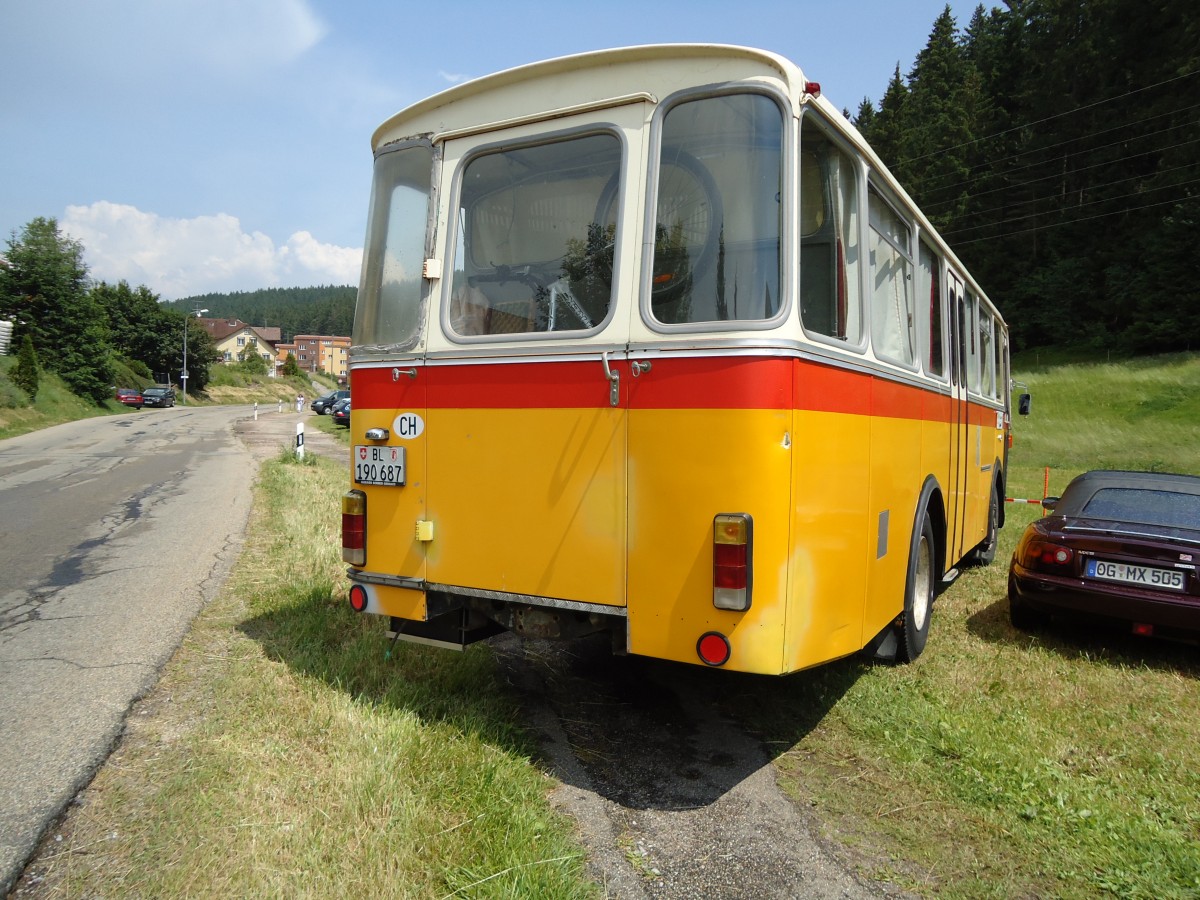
649, 342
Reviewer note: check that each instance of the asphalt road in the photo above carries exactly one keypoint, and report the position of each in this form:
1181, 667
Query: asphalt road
114, 532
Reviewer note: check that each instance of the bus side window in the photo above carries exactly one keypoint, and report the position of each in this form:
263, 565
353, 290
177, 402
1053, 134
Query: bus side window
829, 247
891, 282
971, 335
987, 355
930, 312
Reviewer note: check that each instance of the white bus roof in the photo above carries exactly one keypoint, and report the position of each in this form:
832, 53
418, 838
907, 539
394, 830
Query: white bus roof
562, 85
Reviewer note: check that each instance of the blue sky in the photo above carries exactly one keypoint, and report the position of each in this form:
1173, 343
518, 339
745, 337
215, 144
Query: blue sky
221, 145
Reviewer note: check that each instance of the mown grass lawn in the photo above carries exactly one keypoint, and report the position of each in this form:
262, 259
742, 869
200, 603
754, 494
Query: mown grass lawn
1063, 763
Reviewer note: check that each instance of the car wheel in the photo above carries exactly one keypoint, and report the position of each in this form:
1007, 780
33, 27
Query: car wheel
985, 552
919, 589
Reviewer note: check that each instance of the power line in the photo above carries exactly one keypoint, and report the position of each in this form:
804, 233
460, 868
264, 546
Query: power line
995, 237
990, 165
1059, 176
1077, 206
1060, 115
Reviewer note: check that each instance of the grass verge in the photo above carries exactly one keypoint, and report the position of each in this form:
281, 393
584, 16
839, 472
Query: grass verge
53, 405
283, 758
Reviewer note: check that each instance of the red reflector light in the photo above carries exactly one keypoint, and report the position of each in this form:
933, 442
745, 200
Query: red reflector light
358, 598
713, 649
1143, 629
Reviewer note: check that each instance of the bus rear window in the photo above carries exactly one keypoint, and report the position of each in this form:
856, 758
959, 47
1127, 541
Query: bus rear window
533, 252
718, 211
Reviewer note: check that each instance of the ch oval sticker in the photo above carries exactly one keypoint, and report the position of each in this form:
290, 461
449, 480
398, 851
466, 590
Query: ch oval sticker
407, 426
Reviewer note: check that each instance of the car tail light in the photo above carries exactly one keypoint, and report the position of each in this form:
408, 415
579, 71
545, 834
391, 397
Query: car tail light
732, 555
358, 598
1046, 556
354, 528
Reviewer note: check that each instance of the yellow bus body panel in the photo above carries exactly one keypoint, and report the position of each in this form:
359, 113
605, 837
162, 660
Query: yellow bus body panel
529, 501
687, 466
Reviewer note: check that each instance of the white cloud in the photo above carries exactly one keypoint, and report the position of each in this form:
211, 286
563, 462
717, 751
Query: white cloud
453, 78
182, 35
182, 257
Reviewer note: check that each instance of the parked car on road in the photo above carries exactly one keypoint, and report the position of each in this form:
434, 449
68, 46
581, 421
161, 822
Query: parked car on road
341, 412
1117, 546
159, 396
130, 397
323, 404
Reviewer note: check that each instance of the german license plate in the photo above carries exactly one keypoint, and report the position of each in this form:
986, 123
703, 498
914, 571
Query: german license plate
1142, 576
379, 465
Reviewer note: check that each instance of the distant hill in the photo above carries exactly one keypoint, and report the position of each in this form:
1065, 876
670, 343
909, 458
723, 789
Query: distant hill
326, 309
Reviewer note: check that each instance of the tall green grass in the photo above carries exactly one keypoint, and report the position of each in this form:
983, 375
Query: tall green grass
53, 405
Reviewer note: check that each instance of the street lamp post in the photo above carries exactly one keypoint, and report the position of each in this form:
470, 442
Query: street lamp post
183, 376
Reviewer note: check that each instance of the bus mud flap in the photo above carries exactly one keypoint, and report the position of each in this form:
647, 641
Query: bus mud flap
453, 630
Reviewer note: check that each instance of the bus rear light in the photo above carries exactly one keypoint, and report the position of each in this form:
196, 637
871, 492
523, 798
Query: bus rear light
358, 598
732, 554
713, 649
354, 528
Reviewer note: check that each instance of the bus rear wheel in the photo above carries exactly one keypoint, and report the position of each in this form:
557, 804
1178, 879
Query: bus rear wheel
919, 590
985, 552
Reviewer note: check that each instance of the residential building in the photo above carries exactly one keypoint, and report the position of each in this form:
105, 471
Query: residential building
322, 353
233, 338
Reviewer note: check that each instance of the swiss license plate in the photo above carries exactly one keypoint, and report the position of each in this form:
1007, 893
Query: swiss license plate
1143, 576
379, 465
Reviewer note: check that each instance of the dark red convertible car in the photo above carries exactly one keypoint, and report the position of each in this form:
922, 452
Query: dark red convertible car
1116, 546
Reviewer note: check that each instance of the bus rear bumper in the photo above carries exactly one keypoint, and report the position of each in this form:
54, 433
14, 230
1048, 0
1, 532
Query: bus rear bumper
454, 616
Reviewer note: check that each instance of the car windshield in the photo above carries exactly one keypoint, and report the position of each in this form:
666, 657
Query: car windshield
1149, 507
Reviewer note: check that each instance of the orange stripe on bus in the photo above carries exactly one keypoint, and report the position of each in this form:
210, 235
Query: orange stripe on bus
684, 383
